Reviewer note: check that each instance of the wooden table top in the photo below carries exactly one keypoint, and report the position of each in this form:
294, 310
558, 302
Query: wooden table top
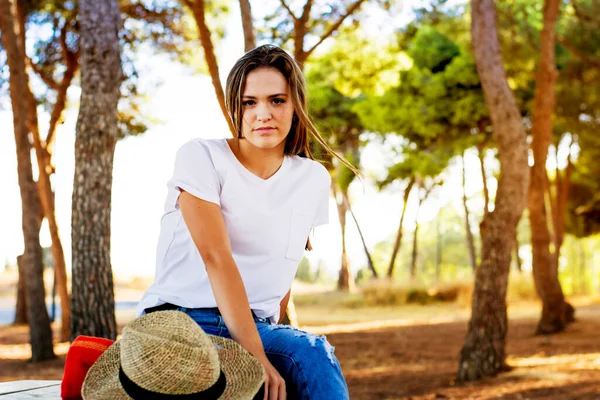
49, 390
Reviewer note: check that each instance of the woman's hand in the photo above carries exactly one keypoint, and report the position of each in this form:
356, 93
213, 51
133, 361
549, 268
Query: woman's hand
274, 383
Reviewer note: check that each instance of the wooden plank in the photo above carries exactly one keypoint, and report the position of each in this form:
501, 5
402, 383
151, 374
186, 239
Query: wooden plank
47, 393
30, 390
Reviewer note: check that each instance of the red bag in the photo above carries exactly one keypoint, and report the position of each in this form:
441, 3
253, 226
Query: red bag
83, 352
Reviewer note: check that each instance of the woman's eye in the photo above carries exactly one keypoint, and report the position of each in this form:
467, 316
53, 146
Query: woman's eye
278, 101
248, 103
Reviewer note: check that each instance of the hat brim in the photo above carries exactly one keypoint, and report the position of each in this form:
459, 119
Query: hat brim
244, 374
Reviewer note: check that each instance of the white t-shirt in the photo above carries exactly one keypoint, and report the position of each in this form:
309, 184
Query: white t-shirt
268, 222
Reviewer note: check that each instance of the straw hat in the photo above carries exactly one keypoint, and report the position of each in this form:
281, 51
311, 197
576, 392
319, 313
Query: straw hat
166, 352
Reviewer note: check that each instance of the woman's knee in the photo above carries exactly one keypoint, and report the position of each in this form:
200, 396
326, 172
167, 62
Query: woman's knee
303, 347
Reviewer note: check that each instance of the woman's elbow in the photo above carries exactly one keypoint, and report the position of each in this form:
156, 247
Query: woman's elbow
215, 259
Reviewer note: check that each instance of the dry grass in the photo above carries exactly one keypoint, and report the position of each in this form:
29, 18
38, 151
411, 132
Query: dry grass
382, 293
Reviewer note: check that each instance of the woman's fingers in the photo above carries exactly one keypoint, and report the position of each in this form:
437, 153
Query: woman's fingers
282, 391
266, 396
274, 386
277, 389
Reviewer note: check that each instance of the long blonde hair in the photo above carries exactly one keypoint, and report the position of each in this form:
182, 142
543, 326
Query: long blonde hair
269, 56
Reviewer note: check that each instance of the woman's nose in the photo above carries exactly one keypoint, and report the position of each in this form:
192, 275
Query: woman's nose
263, 113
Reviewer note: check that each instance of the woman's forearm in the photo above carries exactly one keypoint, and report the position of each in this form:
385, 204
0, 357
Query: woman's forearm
233, 304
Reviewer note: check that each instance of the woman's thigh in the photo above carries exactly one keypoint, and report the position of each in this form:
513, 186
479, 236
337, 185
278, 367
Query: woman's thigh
306, 361
209, 320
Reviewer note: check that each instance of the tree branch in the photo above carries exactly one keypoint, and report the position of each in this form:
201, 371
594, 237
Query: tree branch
248, 26
288, 9
48, 80
63, 42
582, 57
189, 4
306, 11
336, 25
582, 16
61, 97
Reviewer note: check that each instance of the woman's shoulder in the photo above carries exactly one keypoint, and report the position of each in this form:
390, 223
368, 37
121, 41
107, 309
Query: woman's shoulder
202, 143
199, 147
314, 168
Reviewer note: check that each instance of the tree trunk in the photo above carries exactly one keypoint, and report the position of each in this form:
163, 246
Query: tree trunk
414, 256
517, 256
21, 307
438, 248
248, 26
93, 305
39, 323
362, 238
470, 240
300, 30
486, 193
398, 241
198, 9
483, 353
46, 198
47, 202
545, 264
345, 282
562, 196
582, 262
46, 169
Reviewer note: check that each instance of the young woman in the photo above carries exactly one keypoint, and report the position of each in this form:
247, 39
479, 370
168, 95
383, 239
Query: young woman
237, 221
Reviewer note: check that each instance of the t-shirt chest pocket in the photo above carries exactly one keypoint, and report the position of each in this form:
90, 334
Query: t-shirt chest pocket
300, 224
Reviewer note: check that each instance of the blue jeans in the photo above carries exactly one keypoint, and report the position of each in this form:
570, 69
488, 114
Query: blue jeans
306, 362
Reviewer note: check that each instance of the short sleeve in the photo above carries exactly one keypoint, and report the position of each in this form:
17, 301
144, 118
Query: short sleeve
322, 216
195, 173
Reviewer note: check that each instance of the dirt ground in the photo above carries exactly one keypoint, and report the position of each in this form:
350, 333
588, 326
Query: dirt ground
418, 361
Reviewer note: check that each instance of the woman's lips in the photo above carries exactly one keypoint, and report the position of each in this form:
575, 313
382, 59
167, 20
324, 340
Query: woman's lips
264, 131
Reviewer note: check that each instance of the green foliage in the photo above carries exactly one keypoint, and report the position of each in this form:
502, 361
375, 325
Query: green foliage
424, 166
430, 50
438, 101
334, 113
323, 277
437, 107
577, 114
385, 293
331, 109
521, 287
577, 111
577, 271
363, 275
356, 65
305, 273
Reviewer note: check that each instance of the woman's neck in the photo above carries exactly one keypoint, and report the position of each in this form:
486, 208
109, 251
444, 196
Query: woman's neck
263, 163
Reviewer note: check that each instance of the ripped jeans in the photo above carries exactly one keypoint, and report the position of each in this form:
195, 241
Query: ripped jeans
306, 362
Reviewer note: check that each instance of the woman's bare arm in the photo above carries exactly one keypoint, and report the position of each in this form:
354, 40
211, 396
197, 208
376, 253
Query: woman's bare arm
207, 228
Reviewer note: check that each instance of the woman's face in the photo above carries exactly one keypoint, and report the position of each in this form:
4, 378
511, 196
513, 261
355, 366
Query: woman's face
267, 109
